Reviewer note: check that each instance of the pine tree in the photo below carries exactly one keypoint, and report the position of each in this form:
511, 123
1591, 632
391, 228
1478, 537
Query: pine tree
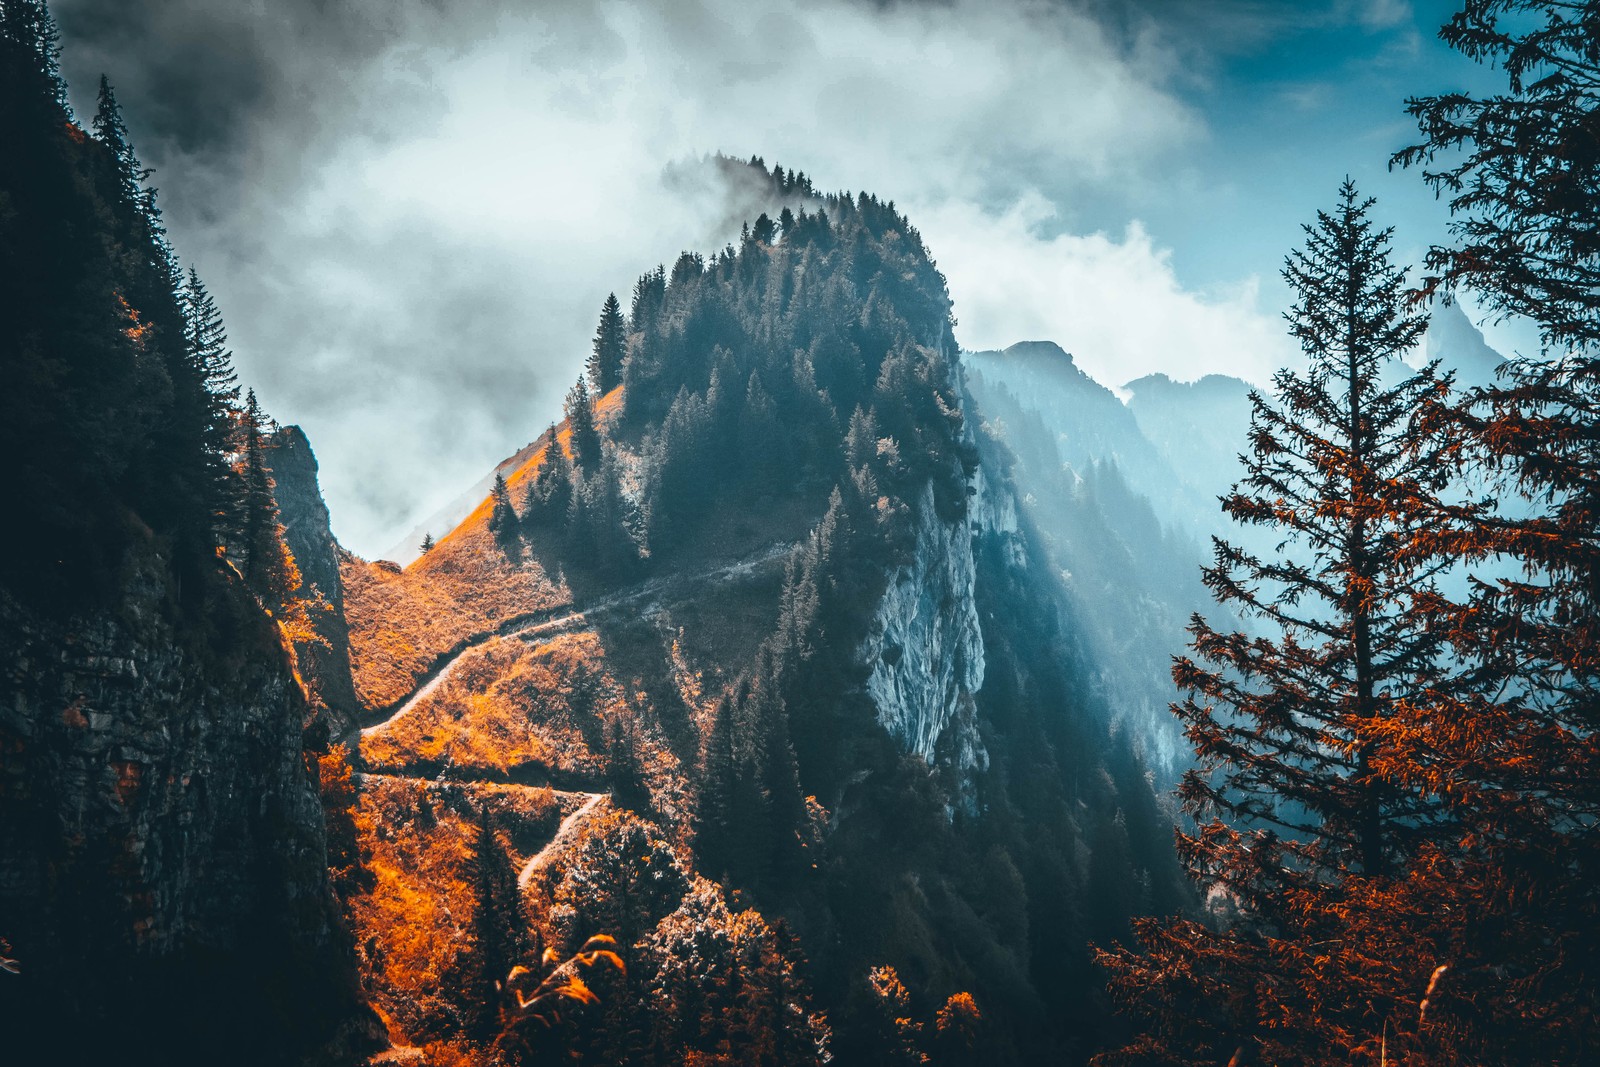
681, 487
718, 794
128, 178
649, 294
111, 131
602, 522
258, 511
500, 927
547, 502
211, 365
1520, 169
1513, 751
760, 438
31, 46
503, 520
427, 543
585, 434
861, 440
1297, 823
610, 345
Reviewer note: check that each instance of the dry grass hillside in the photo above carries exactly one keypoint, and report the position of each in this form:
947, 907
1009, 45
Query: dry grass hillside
403, 621
418, 926
511, 706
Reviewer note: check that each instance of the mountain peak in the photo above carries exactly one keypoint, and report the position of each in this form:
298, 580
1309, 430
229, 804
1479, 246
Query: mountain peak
1038, 350
1159, 384
1459, 346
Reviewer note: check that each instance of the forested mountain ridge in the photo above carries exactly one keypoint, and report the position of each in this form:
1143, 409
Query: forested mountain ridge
773, 600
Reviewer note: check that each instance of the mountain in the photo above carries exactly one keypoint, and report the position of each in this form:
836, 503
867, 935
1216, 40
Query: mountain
1118, 524
1460, 347
163, 879
747, 716
778, 638
1126, 495
1199, 428
1091, 423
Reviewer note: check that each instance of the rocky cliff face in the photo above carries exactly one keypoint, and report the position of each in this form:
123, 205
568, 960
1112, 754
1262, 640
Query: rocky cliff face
162, 870
995, 515
308, 531
924, 648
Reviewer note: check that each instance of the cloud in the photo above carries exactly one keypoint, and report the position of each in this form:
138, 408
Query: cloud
1113, 301
410, 215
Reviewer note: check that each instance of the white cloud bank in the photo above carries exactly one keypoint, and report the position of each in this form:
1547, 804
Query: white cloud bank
1114, 302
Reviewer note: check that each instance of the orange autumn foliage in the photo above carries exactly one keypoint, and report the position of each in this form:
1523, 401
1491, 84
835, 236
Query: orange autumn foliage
509, 705
402, 621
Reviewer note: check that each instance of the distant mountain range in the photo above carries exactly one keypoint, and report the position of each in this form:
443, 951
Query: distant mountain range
1126, 493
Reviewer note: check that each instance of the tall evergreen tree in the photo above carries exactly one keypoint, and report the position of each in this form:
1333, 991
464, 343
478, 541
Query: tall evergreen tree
602, 522
649, 294
585, 434
500, 927
1514, 751
681, 488
211, 365
111, 131
1296, 821
610, 345
258, 513
143, 227
267, 567
1520, 169
503, 520
31, 47
548, 498
718, 794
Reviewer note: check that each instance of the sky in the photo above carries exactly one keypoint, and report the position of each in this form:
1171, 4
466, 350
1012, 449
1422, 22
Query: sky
410, 211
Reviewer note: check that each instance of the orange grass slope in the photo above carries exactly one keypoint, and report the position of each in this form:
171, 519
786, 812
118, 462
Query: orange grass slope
402, 622
511, 707
418, 926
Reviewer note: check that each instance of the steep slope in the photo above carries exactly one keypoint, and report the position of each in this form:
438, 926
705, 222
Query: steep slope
323, 660
1091, 424
409, 622
164, 893
805, 641
163, 877
1129, 571
1199, 428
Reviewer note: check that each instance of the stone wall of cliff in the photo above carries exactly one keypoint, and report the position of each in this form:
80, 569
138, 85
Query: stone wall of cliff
163, 887
308, 531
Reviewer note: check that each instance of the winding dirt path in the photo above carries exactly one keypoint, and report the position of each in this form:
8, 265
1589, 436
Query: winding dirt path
565, 832
525, 627
568, 828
